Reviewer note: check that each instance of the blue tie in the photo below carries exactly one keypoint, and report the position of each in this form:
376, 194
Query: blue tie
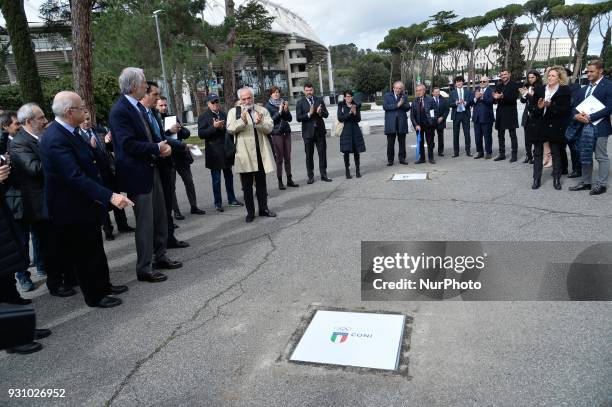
589, 91
154, 124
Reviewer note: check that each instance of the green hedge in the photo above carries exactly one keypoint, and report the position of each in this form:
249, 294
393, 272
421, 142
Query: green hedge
106, 91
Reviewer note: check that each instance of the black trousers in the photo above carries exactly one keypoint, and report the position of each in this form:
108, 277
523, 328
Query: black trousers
427, 134
120, 220
529, 137
501, 139
538, 155
401, 140
8, 289
165, 175
58, 275
440, 133
575, 156
247, 179
309, 145
79, 248
462, 120
184, 171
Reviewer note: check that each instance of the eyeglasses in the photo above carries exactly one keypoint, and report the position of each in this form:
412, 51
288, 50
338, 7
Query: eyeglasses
484, 81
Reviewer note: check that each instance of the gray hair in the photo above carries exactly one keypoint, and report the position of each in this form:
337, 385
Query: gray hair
26, 112
62, 102
129, 78
398, 83
420, 85
243, 89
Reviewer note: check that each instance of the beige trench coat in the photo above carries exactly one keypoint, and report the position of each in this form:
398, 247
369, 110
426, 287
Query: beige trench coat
246, 153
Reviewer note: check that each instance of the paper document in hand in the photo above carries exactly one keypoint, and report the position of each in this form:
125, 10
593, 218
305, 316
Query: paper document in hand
169, 122
591, 105
195, 151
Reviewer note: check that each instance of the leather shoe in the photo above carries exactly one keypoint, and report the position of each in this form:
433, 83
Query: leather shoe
469, 154
118, 289
126, 229
154, 277
526, 160
25, 349
235, 204
108, 235
536, 184
197, 211
267, 213
488, 156
109, 302
310, 180
62, 292
500, 157
325, 178
219, 209
557, 184
479, 155
420, 161
167, 264
432, 161
178, 216
41, 333
580, 187
440, 154
598, 190
575, 174
404, 162
455, 155
389, 163
249, 218
177, 244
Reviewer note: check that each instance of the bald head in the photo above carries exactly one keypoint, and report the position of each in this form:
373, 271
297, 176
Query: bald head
68, 106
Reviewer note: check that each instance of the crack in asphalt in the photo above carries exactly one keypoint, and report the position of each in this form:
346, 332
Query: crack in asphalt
176, 332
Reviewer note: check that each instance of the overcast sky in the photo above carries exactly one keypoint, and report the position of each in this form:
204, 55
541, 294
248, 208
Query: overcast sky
366, 22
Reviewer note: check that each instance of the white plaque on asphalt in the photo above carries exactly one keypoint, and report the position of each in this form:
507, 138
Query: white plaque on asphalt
352, 339
409, 177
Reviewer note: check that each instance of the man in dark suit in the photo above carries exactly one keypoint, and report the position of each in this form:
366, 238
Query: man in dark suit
310, 111
212, 128
441, 112
77, 202
573, 147
182, 159
96, 140
396, 106
423, 119
137, 167
483, 118
461, 99
505, 95
601, 89
28, 175
165, 164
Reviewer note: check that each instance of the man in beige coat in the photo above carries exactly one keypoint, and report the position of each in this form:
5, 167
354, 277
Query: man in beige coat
250, 124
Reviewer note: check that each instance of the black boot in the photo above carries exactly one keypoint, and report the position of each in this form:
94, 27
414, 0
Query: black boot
557, 183
536, 183
346, 166
357, 171
513, 157
281, 186
290, 182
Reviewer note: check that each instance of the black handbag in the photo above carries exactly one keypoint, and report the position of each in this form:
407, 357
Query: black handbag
230, 147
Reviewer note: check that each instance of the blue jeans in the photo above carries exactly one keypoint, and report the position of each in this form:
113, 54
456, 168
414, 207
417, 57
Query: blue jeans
24, 231
216, 185
36, 257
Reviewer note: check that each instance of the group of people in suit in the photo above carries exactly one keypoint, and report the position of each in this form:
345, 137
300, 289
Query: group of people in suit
549, 110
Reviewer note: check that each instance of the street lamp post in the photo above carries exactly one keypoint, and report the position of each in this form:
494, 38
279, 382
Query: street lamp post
161, 56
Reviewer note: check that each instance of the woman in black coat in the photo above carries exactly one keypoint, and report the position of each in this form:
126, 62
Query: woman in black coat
281, 136
551, 111
534, 80
351, 139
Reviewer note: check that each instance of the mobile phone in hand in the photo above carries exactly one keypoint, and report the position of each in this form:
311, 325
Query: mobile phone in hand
3, 161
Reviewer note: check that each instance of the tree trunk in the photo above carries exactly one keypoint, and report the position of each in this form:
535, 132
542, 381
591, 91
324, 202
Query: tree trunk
179, 75
508, 45
23, 52
535, 46
229, 71
82, 67
260, 74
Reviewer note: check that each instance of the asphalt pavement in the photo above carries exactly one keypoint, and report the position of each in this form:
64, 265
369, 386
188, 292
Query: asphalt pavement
217, 332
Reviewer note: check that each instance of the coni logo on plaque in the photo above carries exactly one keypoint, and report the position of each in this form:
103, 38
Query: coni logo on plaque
341, 335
